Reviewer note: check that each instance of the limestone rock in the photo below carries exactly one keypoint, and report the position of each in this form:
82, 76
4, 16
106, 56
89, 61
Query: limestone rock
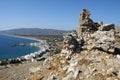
84, 18
118, 56
119, 74
98, 76
111, 72
117, 32
104, 40
85, 23
74, 34
107, 27
52, 77
71, 42
68, 77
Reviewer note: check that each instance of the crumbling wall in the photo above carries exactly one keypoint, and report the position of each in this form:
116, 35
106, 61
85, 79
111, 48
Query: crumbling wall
91, 35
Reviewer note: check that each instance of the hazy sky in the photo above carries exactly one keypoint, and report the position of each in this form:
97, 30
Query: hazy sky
55, 14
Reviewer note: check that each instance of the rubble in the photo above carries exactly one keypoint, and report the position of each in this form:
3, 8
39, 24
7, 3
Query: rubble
85, 23
104, 40
107, 27
91, 35
82, 66
70, 42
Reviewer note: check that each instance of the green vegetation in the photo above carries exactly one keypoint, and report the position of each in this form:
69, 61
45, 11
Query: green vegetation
3, 62
55, 41
49, 38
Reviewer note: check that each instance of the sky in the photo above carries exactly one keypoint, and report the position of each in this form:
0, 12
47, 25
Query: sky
55, 14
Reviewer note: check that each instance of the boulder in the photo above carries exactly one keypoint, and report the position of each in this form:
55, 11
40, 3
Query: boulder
104, 40
71, 42
74, 34
107, 27
117, 32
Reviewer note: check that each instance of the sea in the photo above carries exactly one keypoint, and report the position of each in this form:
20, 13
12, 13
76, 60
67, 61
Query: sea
7, 50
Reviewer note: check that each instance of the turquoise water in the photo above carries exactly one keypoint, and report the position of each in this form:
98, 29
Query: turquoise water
8, 51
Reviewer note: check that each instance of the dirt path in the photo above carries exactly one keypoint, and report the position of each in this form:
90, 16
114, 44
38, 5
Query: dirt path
17, 72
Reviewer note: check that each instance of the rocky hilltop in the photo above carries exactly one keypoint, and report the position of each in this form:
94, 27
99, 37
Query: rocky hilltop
91, 53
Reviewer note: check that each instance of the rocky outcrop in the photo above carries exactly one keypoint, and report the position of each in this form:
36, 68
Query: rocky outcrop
117, 32
71, 42
93, 42
107, 27
104, 40
96, 35
88, 65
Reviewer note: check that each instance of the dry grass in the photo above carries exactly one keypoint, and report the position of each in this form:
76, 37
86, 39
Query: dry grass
103, 61
84, 61
35, 76
99, 76
56, 65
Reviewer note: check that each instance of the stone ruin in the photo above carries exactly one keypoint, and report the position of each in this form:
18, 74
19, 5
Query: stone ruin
85, 23
94, 40
71, 42
91, 35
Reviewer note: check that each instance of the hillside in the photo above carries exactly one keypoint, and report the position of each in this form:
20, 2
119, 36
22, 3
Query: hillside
91, 53
34, 31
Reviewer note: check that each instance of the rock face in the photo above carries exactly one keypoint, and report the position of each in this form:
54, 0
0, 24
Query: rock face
117, 32
104, 40
107, 27
91, 35
71, 44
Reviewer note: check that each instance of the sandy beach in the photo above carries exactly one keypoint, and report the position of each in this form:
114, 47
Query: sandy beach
17, 36
41, 44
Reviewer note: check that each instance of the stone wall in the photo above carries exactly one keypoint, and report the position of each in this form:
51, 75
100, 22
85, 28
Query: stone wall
91, 35
85, 23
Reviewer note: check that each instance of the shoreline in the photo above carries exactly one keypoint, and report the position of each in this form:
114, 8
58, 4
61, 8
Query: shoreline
17, 36
41, 44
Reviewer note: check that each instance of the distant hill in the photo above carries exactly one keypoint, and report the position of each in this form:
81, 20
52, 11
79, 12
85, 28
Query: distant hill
34, 31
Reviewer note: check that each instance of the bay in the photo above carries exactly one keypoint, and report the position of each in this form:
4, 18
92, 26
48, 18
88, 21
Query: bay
8, 51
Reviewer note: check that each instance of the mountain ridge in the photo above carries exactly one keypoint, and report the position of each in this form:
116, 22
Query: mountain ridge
34, 31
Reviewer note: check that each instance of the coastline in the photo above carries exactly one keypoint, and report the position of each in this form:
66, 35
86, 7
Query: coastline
17, 36
41, 44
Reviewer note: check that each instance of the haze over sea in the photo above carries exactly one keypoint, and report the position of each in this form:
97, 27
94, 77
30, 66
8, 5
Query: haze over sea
8, 51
